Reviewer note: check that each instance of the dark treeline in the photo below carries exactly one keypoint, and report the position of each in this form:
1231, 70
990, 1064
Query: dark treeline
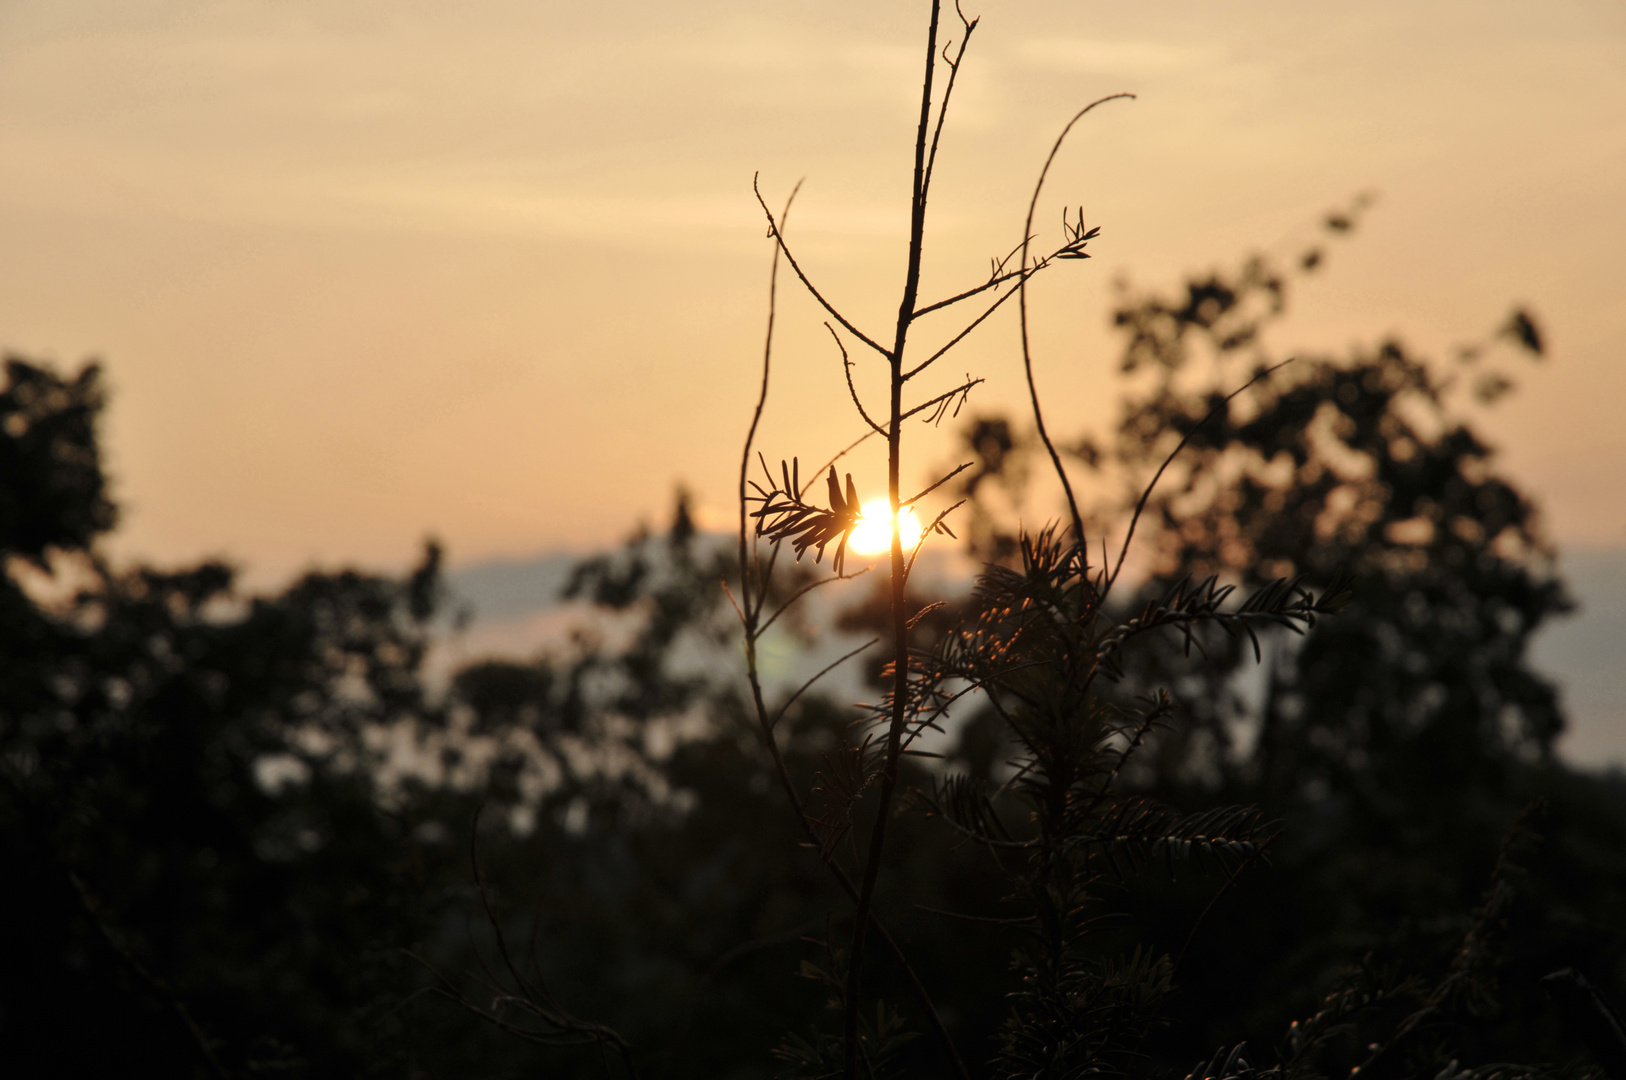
243, 837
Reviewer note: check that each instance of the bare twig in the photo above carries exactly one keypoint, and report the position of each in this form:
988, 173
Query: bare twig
936, 526
779, 240
533, 1000
961, 336
1021, 289
847, 370
762, 400
831, 666
1140, 507
849, 448
160, 989
803, 591
942, 400
976, 290
1241, 868
939, 483
1000, 276
970, 26
744, 948
1019, 921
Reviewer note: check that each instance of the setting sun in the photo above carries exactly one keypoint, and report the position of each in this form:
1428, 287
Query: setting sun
873, 537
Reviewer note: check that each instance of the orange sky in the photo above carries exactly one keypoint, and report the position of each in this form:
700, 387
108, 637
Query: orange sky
363, 270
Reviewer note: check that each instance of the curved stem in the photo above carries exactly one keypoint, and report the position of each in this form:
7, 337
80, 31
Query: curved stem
1140, 507
779, 241
847, 370
1022, 303
756, 419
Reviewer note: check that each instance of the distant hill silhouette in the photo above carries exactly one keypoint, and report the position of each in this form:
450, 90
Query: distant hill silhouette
516, 609
1586, 652
501, 590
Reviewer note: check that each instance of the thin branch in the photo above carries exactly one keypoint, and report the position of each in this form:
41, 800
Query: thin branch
928, 530
1009, 720
1022, 769
704, 982
764, 577
491, 916
948, 92
974, 684
942, 400
1256, 854
450, 992
735, 603
1158, 711
916, 498
541, 1038
998, 278
989, 841
153, 982
921, 995
539, 1003
1021, 289
1019, 921
957, 338
762, 399
930, 723
831, 666
537, 999
847, 370
849, 448
803, 591
1140, 507
992, 283
779, 239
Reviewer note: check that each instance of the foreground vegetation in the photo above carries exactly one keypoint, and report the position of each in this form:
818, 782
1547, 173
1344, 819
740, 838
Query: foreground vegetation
1165, 834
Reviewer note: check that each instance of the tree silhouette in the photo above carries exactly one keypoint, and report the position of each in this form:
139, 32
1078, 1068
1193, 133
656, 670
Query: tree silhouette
169, 910
1397, 741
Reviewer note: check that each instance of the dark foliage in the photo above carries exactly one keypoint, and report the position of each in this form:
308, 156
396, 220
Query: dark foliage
245, 839
54, 493
168, 911
1397, 741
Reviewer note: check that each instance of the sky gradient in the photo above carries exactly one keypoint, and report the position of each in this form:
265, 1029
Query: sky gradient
365, 271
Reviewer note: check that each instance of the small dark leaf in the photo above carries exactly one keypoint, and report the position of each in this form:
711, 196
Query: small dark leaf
1523, 330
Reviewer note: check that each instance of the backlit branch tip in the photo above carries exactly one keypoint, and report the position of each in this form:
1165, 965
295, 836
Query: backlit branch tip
779, 240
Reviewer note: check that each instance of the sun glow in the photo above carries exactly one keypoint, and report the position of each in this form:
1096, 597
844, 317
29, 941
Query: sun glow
872, 536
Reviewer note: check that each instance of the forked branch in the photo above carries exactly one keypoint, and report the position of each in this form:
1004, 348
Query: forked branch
779, 241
